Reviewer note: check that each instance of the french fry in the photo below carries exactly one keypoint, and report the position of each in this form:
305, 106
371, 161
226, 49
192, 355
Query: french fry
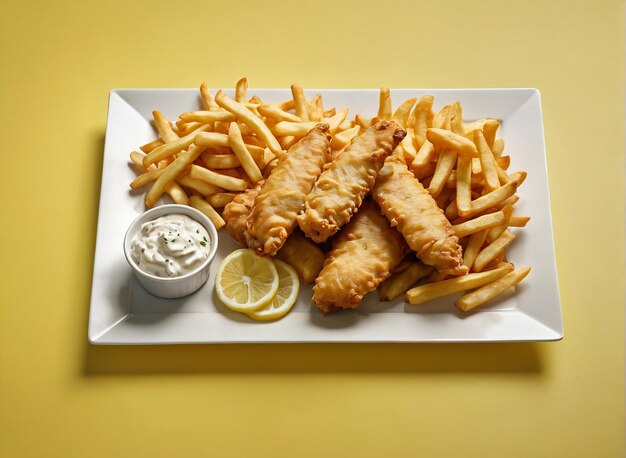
168, 149
303, 255
362, 122
400, 282
384, 104
137, 159
146, 178
177, 193
442, 118
217, 179
491, 199
447, 140
199, 186
276, 114
478, 224
152, 145
251, 120
456, 119
422, 173
479, 124
335, 121
287, 142
343, 139
206, 208
286, 105
329, 113
207, 99
315, 108
519, 221
220, 199
425, 155
498, 147
212, 140
518, 177
221, 161
464, 184
504, 162
444, 197
489, 130
445, 163
489, 291
240, 90
473, 247
430, 291
206, 117
295, 129
401, 115
452, 212
495, 232
299, 103
492, 250
187, 128
242, 152
407, 146
422, 118
487, 162
171, 172
164, 127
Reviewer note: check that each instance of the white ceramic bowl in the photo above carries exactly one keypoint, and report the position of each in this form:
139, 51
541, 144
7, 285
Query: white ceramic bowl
177, 286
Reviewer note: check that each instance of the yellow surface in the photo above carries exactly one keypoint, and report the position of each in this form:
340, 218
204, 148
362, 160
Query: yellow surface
60, 397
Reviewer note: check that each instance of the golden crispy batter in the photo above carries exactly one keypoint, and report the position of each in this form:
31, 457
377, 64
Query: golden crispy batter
303, 255
282, 196
339, 191
237, 211
362, 257
407, 205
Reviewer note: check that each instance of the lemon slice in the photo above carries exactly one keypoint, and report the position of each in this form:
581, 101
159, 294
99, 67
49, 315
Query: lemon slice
245, 281
285, 297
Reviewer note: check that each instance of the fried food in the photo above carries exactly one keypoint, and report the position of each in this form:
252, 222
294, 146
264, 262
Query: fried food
237, 211
339, 191
409, 207
303, 255
363, 255
283, 195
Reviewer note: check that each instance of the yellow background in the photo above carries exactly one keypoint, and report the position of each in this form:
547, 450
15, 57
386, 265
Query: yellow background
60, 397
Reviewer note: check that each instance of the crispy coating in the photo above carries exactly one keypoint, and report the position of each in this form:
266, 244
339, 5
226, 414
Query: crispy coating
363, 255
237, 211
297, 251
410, 208
283, 195
339, 191
303, 255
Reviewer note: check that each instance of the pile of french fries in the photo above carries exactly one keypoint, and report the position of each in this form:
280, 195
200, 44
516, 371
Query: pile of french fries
207, 157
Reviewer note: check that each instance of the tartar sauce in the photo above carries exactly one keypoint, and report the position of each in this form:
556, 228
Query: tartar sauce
170, 246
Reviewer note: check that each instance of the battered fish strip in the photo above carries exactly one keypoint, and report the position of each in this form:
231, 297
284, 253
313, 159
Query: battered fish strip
283, 195
362, 257
297, 251
236, 213
409, 207
338, 193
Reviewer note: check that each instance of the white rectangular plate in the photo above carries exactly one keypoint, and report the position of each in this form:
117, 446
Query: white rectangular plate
123, 313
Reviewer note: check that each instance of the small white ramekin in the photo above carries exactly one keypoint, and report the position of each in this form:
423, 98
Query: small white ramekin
177, 286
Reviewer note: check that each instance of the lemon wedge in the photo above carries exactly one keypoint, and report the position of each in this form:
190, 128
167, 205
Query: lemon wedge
285, 297
245, 281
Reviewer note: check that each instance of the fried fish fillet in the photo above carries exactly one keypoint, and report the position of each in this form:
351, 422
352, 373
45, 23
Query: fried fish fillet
362, 257
297, 251
339, 191
236, 213
283, 195
410, 208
